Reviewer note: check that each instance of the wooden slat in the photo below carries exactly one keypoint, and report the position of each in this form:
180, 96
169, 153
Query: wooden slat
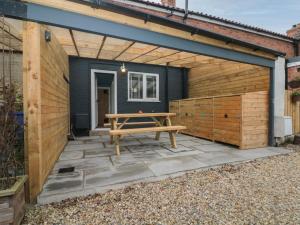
145, 130
292, 109
101, 46
124, 50
132, 124
74, 42
138, 115
227, 78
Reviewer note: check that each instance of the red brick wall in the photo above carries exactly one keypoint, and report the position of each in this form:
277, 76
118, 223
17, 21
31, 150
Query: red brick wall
267, 42
294, 31
293, 72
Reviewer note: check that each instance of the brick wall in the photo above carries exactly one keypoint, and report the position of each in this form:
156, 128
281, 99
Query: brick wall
294, 32
268, 42
294, 72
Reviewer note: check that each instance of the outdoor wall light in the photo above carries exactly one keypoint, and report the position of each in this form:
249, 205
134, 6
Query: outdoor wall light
47, 36
123, 69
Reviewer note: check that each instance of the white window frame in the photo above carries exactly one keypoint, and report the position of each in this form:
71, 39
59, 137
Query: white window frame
144, 98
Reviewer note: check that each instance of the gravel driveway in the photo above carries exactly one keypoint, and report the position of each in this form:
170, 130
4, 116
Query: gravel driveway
260, 192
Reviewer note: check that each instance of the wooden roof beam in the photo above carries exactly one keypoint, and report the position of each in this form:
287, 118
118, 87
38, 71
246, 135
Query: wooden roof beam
74, 42
165, 56
145, 53
101, 47
182, 59
124, 50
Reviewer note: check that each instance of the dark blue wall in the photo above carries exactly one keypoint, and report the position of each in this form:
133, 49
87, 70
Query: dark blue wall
171, 87
104, 80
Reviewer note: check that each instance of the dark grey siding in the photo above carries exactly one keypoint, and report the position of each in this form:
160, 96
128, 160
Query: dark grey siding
170, 88
104, 80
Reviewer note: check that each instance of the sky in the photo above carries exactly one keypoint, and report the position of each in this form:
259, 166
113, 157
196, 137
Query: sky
274, 15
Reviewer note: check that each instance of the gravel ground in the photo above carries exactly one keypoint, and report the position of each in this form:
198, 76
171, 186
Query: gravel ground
265, 191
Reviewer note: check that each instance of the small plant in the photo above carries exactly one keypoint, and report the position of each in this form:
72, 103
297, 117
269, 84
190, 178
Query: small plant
296, 96
9, 164
296, 93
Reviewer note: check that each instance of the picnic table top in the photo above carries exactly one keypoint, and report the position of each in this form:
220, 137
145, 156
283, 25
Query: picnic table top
138, 115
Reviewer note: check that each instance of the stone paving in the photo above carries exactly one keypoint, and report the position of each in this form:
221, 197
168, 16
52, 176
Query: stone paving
143, 159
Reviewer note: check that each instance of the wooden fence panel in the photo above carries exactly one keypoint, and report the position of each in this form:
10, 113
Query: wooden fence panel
46, 103
293, 110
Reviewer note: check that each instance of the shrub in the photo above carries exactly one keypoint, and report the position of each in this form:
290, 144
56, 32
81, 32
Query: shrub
10, 165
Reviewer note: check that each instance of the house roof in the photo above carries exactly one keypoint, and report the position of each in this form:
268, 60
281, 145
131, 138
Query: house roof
120, 8
219, 19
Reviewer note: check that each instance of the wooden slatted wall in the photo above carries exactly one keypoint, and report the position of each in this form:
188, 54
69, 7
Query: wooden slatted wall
227, 78
46, 101
293, 110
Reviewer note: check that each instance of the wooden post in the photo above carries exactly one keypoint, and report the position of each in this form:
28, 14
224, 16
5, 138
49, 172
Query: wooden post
113, 127
46, 104
171, 134
117, 143
161, 123
32, 109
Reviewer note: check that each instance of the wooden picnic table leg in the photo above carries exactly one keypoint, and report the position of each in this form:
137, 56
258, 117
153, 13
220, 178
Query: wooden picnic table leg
157, 136
117, 145
171, 134
113, 127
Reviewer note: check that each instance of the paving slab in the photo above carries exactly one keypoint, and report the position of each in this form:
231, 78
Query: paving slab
63, 183
214, 147
90, 153
70, 155
84, 146
83, 164
180, 148
261, 152
165, 153
203, 141
76, 142
133, 158
145, 147
97, 168
128, 142
218, 158
174, 164
95, 177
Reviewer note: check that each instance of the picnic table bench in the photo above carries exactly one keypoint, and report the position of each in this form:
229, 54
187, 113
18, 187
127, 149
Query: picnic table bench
161, 122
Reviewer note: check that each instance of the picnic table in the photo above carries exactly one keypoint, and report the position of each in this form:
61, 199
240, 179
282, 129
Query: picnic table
161, 122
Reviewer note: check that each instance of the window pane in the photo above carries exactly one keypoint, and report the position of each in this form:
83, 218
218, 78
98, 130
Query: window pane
136, 86
151, 87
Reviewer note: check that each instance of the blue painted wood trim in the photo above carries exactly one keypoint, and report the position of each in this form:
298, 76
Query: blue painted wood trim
61, 18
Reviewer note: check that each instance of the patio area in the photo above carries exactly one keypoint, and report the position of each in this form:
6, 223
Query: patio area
143, 159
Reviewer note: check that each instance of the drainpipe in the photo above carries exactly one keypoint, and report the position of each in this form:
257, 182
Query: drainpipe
286, 75
271, 109
186, 12
296, 46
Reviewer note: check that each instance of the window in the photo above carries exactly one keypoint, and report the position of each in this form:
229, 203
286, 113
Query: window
143, 87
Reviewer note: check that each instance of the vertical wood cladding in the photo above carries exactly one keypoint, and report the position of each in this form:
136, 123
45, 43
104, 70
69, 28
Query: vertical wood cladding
292, 109
240, 120
46, 98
